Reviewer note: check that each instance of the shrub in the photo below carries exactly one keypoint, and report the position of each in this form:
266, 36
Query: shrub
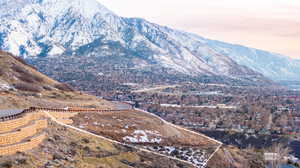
85, 140
87, 149
26, 79
73, 144
72, 152
57, 156
21, 161
25, 75
47, 88
57, 137
28, 87
6, 164
1, 71
19, 69
23, 62
64, 87
37, 78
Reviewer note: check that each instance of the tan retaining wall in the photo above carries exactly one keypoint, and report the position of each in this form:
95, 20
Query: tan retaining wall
11, 138
22, 147
19, 135
10, 125
75, 111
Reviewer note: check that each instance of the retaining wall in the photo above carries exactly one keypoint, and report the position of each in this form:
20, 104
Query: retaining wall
10, 125
22, 147
19, 135
11, 137
74, 110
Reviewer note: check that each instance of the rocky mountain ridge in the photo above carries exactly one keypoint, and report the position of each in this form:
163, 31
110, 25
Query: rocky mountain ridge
53, 28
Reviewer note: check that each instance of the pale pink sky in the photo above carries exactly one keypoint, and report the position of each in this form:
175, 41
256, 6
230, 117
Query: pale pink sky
272, 25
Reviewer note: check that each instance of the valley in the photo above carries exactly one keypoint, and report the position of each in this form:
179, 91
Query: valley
106, 91
138, 138
204, 104
245, 114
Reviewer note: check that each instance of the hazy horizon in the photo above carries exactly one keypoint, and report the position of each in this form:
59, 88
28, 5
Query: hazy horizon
268, 25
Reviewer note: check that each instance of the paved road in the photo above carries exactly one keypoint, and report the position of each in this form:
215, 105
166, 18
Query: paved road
122, 105
10, 112
155, 88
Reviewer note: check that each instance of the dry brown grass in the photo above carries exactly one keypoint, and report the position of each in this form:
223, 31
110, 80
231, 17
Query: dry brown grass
232, 157
67, 148
36, 89
14, 67
28, 87
113, 125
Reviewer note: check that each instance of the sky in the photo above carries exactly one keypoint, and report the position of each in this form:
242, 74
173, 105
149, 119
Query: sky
272, 25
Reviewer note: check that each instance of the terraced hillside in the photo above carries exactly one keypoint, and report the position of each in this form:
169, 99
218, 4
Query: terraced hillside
27, 140
21, 132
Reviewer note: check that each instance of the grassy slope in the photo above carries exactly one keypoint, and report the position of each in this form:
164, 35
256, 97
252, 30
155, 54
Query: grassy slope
232, 157
68, 148
33, 88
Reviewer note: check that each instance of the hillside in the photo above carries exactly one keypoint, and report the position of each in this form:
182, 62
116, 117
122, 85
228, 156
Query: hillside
86, 29
135, 129
22, 86
68, 148
149, 132
229, 156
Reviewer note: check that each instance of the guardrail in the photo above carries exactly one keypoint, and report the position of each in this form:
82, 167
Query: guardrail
12, 117
16, 116
74, 110
33, 109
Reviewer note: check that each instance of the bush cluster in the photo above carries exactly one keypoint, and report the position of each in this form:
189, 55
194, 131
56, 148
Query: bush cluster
26, 76
1, 71
64, 87
28, 87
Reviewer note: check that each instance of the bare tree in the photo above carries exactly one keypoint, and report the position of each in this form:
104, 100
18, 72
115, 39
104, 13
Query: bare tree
280, 151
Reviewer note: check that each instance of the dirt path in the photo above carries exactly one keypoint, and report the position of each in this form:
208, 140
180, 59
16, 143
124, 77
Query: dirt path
113, 141
141, 149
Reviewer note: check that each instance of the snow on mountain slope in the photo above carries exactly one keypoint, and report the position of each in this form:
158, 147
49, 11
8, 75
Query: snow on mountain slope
51, 24
43, 28
272, 65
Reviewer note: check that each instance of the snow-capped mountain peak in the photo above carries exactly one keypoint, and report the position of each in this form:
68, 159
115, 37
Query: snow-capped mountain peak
43, 28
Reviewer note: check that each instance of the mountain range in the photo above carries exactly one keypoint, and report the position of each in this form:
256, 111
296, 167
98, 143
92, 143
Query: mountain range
58, 29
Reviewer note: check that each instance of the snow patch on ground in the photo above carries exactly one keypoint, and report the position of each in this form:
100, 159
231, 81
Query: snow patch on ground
196, 156
5, 86
143, 136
